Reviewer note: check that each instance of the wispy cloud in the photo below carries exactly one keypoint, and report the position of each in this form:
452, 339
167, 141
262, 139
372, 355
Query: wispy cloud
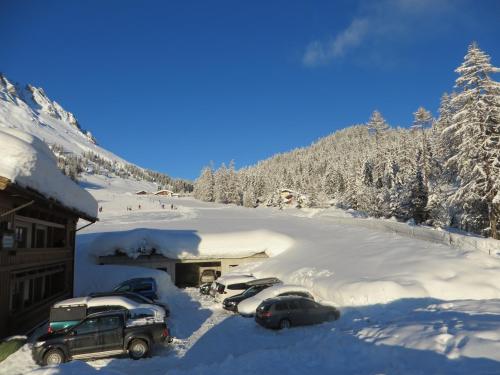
377, 21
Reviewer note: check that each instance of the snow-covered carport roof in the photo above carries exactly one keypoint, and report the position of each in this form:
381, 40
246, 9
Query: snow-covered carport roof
33, 195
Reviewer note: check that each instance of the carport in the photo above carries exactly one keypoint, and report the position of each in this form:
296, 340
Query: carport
188, 272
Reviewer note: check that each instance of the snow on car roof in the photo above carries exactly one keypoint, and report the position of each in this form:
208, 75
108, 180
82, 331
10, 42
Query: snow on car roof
29, 163
280, 288
236, 279
99, 301
72, 302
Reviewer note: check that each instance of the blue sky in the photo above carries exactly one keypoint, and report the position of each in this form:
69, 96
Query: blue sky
172, 85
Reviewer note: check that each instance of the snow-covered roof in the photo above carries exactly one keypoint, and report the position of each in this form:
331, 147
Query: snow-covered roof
28, 162
189, 244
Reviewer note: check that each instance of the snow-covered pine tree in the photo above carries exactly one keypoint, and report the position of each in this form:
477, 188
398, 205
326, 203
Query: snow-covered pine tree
204, 185
475, 128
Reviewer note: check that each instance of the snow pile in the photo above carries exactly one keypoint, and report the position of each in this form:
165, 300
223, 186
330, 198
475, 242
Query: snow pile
28, 162
189, 244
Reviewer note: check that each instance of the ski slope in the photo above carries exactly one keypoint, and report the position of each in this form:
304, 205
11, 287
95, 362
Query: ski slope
408, 306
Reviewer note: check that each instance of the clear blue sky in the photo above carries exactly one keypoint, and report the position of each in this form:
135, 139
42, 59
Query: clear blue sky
171, 85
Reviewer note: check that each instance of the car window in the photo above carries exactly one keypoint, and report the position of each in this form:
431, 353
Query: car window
240, 286
88, 326
294, 305
124, 288
281, 306
143, 287
307, 304
109, 322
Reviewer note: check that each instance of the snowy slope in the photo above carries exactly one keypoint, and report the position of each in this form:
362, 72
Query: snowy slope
408, 306
29, 109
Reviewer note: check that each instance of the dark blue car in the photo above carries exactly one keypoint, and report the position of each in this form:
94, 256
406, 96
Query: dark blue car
145, 286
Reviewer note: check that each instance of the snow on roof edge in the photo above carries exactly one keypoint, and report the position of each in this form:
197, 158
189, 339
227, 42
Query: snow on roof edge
29, 163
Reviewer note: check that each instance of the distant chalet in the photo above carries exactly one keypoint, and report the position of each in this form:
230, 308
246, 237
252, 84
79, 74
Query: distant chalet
163, 192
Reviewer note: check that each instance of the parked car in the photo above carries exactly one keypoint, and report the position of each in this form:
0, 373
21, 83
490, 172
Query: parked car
145, 286
285, 312
100, 335
67, 313
209, 276
247, 307
256, 286
136, 297
230, 285
205, 288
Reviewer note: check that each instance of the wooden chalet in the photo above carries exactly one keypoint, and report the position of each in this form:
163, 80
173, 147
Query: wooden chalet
37, 252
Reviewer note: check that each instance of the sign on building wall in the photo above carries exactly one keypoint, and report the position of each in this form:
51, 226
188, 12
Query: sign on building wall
8, 241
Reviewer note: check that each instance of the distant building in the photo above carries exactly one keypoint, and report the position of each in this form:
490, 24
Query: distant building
166, 192
37, 252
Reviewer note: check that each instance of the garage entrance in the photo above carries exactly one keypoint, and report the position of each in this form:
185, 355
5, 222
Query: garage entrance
188, 274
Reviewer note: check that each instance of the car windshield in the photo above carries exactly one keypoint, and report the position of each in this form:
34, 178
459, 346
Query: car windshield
251, 291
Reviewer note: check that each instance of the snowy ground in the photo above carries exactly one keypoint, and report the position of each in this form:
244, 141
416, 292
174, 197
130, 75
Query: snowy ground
408, 306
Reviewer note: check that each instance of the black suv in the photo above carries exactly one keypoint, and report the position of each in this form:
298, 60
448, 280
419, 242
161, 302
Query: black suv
99, 335
284, 312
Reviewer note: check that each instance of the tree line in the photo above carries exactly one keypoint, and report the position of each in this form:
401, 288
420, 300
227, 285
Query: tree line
442, 171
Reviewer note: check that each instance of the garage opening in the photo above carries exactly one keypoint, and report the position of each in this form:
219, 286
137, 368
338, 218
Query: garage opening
188, 274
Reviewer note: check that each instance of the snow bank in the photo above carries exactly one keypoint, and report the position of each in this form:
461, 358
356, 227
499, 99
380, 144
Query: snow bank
452, 238
189, 244
28, 162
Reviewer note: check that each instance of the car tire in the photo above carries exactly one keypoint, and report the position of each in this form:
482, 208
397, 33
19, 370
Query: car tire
285, 324
54, 357
138, 349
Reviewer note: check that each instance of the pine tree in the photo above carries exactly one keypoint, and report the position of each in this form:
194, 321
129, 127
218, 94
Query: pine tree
475, 130
205, 184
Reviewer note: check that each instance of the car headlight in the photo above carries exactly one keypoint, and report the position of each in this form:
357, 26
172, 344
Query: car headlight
39, 343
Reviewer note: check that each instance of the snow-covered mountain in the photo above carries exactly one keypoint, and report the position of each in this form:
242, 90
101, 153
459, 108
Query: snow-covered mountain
29, 109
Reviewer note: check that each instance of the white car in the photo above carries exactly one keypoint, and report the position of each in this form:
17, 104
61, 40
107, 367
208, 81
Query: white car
98, 304
247, 307
230, 285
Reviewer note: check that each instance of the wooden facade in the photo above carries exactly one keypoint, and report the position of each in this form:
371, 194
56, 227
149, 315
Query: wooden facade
37, 247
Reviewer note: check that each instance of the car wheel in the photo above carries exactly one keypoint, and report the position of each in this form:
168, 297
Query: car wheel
285, 324
54, 357
138, 349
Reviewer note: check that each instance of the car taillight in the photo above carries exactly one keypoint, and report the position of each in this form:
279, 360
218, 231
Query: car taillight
50, 330
266, 314
165, 332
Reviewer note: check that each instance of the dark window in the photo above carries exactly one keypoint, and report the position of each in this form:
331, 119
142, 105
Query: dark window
281, 306
240, 286
109, 323
307, 304
58, 237
28, 288
40, 236
22, 237
294, 305
143, 287
88, 326
124, 288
